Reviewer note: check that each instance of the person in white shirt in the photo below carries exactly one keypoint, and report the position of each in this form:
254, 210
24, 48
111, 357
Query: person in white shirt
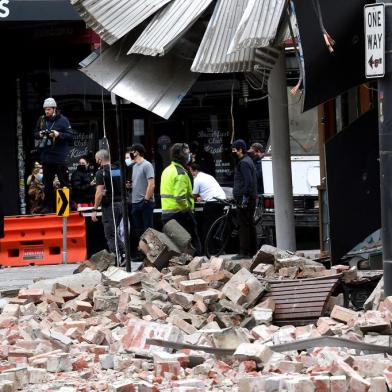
206, 189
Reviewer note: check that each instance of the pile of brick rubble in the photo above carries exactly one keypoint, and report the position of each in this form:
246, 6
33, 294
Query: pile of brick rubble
88, 332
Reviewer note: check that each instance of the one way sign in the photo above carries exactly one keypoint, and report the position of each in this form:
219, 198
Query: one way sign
62, 202
375, 40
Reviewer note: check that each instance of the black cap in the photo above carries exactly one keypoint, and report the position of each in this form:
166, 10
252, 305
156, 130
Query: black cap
239, 143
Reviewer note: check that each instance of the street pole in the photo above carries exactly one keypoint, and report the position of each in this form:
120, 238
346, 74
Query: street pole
65, 235
281, 158
121, 153
385, 137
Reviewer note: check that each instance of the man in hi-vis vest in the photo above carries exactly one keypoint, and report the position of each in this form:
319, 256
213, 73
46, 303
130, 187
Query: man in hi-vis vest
176, 193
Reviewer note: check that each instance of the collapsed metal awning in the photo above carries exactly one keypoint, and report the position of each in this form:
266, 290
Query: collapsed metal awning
168, 26
259, 25
212, 56
157, 84
112, 19
238, 38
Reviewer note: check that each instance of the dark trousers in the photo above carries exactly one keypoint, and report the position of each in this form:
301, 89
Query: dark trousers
187, 220
211, 212
49, 172
247, 230
109, 226
142, 218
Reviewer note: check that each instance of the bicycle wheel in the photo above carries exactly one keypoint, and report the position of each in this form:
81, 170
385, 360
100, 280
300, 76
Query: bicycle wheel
218, 236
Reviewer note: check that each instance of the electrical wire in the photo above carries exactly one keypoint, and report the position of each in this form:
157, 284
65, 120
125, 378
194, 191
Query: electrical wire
258, 99
369, 88
294, 90
252, 84
327, 38
110, 159
232, 113
288, 104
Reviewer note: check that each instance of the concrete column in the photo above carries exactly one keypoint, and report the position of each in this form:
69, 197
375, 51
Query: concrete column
281, 159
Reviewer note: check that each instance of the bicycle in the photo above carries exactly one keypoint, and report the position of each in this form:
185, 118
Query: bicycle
226, 228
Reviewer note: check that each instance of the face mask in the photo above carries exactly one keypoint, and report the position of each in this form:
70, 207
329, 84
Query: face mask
82, 167
189, 158
39, 177
129, 162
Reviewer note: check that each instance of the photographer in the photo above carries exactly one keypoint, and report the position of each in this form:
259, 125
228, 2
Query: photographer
53, 134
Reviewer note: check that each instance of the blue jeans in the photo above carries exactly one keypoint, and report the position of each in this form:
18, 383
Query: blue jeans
142, 217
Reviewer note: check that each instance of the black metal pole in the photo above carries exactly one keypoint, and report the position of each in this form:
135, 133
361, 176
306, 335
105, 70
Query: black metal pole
385, 137
121, 153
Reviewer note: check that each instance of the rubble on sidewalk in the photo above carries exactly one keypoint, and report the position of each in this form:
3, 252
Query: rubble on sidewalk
90, 333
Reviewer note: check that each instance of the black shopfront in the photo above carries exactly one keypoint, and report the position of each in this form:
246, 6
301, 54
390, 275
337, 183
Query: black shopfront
42, 45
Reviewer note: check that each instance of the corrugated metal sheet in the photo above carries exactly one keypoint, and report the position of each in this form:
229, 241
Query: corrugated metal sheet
157, 84
212, 56
112, 19
258, 25
168, 26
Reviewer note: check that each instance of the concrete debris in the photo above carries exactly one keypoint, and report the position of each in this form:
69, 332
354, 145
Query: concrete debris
179, 236
89, 332
100, 261
158, 248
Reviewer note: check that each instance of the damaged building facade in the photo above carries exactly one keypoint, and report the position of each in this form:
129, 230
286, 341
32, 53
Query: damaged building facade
215, 91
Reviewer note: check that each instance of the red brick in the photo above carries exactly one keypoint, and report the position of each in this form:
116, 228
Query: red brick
33, 294
82, 306
154, 311
137, 331
50, 298
162, 367
123, 302
79, 364
342, 314
192, 286
201, 274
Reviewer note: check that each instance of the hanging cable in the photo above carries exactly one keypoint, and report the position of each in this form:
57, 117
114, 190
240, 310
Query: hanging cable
110, 158
258, 99
294, 90
327, 38
231, 112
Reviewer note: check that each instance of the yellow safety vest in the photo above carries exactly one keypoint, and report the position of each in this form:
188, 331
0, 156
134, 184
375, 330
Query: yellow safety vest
176, 190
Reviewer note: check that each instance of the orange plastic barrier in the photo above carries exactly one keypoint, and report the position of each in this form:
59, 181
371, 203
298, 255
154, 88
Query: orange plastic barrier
38, 239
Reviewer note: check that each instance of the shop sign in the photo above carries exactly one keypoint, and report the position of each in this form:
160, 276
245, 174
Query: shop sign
4, 8
38, 10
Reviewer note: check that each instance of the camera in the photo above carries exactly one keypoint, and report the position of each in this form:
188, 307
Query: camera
45, 139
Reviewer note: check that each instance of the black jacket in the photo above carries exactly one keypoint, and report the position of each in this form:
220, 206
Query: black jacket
259, 175
82, 191
56, 151
245, 181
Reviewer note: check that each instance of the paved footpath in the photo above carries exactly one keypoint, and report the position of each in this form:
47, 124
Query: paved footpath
14, 278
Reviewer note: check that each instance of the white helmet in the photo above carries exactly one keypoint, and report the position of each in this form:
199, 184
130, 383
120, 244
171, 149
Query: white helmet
49, 103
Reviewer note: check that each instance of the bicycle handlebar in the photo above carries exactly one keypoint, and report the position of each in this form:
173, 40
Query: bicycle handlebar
226, 202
